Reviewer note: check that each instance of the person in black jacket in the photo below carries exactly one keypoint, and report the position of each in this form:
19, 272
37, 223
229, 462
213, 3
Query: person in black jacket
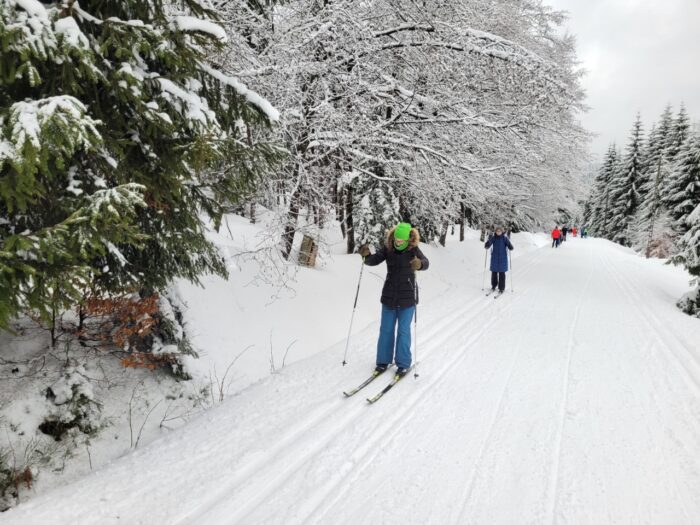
399, 296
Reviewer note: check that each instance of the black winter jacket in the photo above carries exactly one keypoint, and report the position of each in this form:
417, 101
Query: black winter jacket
400, 283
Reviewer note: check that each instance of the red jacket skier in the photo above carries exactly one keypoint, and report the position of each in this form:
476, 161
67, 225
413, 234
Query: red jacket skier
556, 237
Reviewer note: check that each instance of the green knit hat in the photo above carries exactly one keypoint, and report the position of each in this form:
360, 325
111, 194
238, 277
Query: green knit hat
402, 233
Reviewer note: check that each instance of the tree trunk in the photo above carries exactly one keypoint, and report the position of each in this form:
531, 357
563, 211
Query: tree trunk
462, 215
340, 211
443, 234
290, 228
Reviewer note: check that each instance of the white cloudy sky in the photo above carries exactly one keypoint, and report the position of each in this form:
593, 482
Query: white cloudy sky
640, 55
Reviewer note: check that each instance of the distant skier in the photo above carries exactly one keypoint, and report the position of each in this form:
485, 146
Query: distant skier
556, 237
584, 232
399, 296
564, 231
499, 259
574, 231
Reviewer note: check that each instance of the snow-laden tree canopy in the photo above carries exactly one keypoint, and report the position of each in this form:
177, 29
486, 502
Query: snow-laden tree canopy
467, 105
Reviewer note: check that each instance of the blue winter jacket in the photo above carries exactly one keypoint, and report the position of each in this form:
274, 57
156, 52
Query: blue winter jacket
499, 254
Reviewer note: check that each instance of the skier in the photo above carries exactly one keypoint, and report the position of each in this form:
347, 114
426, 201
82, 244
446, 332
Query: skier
584, 232
499, 259
564, 231
399, 296
574, 230
556, 237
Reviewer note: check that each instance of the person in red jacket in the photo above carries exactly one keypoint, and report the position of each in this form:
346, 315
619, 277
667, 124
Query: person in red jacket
574, 230
556, 237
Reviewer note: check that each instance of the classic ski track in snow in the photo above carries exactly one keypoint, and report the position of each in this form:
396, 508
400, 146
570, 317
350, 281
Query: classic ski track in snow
276, 477
688, 363
627, 288
369, 452
572, 401
496, 415
565, 395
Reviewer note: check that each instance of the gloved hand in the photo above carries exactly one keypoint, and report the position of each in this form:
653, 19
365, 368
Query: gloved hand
416, 264
364, 250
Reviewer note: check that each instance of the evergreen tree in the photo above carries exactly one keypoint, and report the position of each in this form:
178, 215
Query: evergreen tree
375, 210
689, 256
600, 216
684, 192
653, 224
624, 195
114, 132
650, 155
679, 133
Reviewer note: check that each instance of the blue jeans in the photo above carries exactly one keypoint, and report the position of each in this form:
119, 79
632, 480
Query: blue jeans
385, 346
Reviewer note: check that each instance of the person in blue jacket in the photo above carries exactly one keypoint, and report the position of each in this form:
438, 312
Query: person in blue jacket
499, 258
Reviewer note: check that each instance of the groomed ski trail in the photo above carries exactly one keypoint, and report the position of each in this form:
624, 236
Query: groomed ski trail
573, 400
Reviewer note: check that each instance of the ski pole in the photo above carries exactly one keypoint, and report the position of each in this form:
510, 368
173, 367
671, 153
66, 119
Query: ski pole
483, 280
352, 317
510, 258
415, 329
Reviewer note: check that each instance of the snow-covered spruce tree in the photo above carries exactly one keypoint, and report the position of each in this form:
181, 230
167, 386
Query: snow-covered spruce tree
375, 208
106, 105
684, 191
624, 194
462, 103
51, 228
600, 217
653, 225
679, 133
689, 256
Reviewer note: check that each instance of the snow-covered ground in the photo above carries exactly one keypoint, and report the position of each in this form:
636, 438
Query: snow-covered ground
574, 399
254, 320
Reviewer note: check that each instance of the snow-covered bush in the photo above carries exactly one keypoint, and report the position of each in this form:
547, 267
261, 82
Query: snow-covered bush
73, 404
12, 479
690, 302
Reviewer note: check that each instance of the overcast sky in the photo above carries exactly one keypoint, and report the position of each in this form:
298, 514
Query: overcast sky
640, 55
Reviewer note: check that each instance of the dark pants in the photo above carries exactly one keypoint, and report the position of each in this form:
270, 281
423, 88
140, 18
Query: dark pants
498, 279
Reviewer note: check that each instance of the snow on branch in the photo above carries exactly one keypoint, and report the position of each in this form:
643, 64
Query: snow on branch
68, 27
405, 27
65, 115
191, 23
197, 107
251, 96
32, 7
